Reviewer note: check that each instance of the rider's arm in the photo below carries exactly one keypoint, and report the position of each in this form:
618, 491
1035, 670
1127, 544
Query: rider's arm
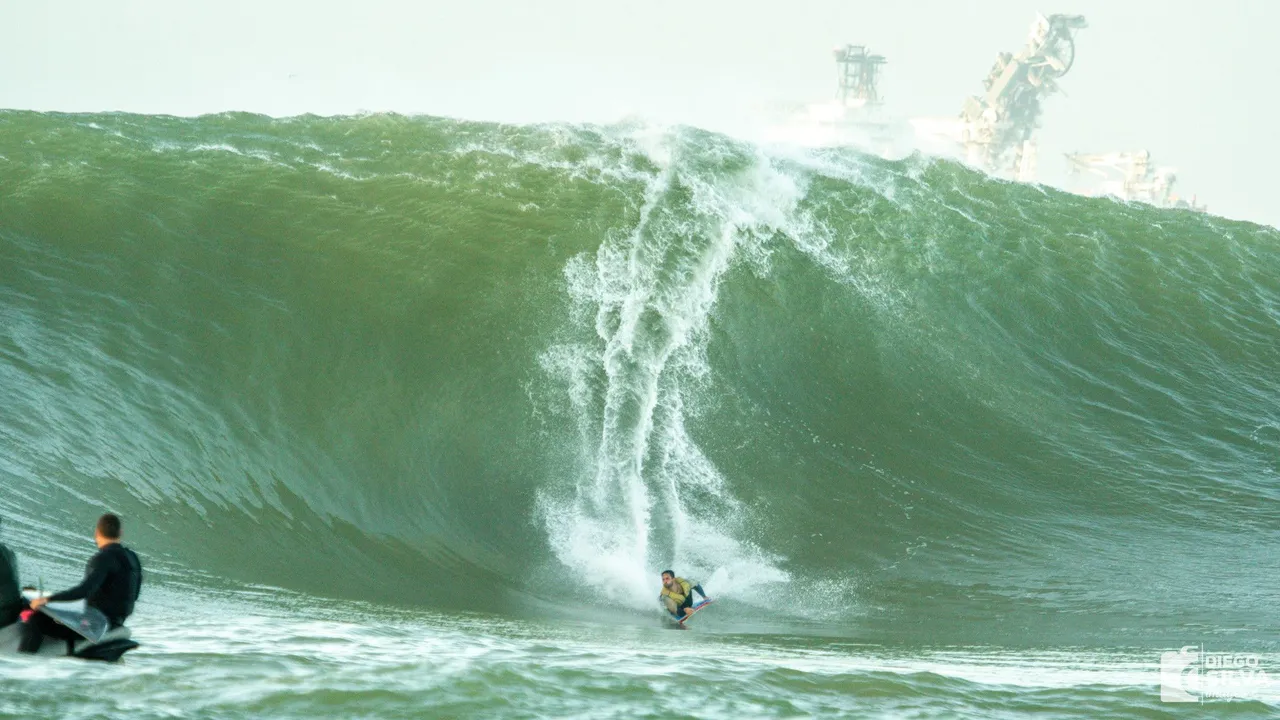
94, 575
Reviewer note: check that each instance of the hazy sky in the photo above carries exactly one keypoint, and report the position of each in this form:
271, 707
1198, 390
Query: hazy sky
1194, 82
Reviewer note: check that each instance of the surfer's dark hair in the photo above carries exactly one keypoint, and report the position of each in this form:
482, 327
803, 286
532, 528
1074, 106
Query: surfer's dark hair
672, 573
109, 526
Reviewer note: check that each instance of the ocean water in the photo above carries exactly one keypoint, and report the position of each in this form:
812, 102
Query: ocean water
405, 416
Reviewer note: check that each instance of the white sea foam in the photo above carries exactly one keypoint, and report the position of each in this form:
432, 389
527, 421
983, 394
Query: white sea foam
647, 496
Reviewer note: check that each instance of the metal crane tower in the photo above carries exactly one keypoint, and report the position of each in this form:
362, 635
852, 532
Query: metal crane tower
997, 126
858, 73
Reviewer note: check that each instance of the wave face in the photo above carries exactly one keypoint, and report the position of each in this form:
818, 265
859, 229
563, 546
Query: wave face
431, 361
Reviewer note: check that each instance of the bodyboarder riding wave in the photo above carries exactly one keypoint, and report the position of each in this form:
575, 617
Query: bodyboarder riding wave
677, 594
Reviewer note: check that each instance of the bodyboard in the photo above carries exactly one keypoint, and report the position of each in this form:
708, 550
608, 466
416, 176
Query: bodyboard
89, 623
697, 606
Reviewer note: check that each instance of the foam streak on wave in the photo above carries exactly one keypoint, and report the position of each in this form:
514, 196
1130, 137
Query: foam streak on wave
650, 497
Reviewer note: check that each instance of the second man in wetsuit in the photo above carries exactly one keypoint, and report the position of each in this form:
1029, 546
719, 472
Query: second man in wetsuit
112, 581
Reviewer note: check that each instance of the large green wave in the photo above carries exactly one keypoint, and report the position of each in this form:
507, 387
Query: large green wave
454, 363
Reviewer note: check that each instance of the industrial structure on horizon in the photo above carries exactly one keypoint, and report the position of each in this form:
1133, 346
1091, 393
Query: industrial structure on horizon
997, 127
859, 73
854, 117
1131, 176
995, 131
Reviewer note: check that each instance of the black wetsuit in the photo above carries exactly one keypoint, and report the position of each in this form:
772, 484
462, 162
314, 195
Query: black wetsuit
112, 581
10, 595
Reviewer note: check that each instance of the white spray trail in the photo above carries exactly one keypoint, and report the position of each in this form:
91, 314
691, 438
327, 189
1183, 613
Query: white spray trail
649, 496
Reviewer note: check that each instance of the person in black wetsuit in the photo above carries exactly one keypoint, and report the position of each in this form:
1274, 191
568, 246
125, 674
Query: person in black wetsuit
112, 581
10, 596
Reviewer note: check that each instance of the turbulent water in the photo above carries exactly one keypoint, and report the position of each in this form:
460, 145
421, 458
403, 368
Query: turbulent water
405, 415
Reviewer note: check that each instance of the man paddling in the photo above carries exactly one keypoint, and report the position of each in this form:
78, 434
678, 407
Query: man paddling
677, 594
112, 581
